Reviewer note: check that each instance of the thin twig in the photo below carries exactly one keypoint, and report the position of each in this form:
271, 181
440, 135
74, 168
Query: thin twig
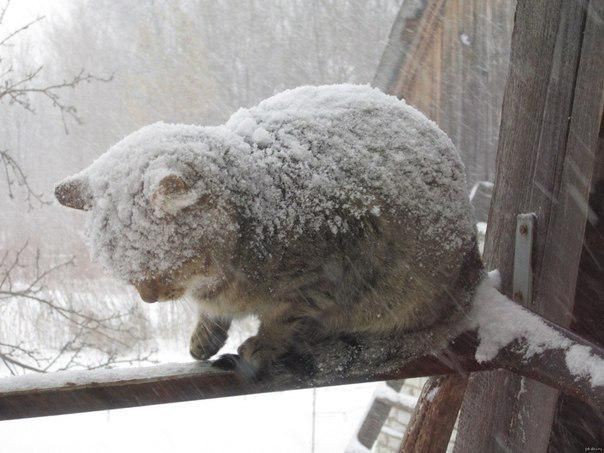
74, 352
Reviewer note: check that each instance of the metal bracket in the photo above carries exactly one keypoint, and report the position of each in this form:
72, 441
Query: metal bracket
522, 283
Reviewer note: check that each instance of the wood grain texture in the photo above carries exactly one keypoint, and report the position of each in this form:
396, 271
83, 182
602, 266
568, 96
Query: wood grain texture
544, 165
432, 421
450, 60
577, 424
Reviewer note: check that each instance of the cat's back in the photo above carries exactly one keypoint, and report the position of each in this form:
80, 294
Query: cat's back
331, 154
344, 112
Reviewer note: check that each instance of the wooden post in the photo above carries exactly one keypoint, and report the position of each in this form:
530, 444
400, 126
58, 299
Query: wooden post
551, 117
578, 424
430, 427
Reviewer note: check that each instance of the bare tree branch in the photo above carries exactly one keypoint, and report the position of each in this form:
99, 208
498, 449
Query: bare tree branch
91, 340
16, 178
3, 11
7, 38
21, 90
18, 92
8, 361
90, 335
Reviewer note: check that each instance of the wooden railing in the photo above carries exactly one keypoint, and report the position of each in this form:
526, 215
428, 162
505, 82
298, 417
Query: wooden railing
82, 391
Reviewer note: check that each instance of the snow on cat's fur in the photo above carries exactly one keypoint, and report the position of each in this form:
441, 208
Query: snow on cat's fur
337, 204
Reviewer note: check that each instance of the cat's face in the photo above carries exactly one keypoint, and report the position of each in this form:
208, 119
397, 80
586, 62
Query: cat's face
156, 218
201, 277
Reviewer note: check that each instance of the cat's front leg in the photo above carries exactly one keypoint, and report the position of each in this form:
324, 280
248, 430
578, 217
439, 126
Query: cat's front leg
286, 332
209, 336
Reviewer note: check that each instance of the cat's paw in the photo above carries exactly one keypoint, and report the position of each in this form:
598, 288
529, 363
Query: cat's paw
233, 362
263, 357
207, 339
259, 354
227, 362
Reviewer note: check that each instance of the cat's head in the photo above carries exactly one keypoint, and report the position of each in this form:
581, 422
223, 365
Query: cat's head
160, 216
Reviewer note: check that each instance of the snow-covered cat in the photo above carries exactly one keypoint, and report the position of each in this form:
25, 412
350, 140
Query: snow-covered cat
323, 210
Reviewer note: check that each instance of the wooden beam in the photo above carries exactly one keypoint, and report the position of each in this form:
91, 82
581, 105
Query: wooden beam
549, 131
82, 391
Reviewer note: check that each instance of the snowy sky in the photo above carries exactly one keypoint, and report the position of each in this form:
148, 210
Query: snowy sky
22, 10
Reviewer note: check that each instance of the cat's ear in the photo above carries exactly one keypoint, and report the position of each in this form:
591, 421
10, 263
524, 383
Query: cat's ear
172, 194
74, 192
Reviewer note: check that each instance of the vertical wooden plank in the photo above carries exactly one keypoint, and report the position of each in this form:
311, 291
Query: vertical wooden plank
555, 282
395, 53
500, 22
438, 59
478, 433
470, 43
429, 430
537, 166
578, 425
451, 111
436, 72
